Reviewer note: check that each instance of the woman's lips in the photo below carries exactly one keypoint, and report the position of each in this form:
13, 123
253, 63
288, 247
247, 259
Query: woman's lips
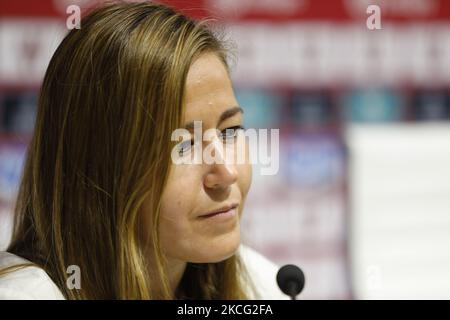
227, 212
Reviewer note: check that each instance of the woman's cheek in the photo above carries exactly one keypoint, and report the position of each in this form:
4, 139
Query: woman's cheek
178, 199
245, 178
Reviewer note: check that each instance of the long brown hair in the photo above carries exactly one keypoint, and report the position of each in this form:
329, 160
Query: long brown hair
112, 94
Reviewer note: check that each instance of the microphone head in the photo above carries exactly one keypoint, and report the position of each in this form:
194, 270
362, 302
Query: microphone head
291, 280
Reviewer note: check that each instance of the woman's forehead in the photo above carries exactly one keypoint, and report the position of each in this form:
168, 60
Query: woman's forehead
207, 76
209, 90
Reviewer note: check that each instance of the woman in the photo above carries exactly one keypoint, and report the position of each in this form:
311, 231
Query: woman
100, 190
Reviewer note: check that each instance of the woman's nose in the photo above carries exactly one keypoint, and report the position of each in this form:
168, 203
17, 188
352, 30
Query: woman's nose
221, 173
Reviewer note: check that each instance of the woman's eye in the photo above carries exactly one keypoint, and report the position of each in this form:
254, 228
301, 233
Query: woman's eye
185, 147
231, 133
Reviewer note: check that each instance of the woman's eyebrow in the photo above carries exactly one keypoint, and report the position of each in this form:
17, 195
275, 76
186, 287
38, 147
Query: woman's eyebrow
229, 113
225, 115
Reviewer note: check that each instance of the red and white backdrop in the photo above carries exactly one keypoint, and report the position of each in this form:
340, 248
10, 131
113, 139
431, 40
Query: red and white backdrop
308, 68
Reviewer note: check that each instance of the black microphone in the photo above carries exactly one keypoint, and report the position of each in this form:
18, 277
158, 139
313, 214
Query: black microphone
291, 280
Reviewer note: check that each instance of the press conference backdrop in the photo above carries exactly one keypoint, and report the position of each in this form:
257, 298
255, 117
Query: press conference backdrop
361, 198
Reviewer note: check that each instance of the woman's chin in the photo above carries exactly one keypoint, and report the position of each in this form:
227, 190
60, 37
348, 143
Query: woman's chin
218, 249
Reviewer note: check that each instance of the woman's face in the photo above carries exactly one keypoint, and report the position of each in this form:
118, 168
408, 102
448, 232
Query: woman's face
194, 190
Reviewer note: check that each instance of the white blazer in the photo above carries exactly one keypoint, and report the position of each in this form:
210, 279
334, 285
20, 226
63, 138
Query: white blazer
33, 283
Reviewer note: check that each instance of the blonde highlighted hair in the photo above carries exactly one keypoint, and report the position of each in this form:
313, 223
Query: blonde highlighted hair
112, 94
